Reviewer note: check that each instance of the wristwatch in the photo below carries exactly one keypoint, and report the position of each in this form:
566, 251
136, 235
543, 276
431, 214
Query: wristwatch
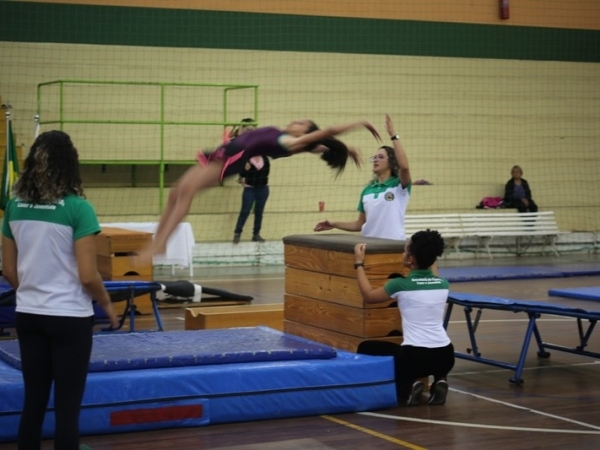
357, 265
395, 137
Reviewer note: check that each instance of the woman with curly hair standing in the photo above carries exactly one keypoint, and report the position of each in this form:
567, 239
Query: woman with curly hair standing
49, 257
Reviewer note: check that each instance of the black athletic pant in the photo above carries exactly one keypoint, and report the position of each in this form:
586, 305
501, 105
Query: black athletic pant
518, 203
53, 349
412, 363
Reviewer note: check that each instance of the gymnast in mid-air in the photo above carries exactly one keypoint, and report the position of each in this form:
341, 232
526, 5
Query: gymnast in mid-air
228, 159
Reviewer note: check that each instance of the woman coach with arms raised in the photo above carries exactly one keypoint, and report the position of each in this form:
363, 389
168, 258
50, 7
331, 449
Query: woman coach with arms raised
383, 202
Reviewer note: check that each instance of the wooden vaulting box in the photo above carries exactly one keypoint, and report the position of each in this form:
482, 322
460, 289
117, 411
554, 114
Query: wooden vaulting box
322, 300
202, 318
114, 247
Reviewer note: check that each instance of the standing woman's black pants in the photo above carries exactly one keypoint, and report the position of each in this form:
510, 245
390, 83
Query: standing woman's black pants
53, 349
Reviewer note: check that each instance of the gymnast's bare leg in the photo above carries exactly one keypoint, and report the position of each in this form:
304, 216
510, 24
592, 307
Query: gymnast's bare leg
194, 180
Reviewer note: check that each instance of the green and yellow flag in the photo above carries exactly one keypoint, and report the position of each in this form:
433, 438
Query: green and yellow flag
11, 168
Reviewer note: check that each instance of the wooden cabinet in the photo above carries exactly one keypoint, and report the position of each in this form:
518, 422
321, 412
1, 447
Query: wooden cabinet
114, 247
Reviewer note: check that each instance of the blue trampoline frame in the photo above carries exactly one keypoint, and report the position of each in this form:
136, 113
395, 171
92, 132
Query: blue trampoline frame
129, 290
534, 310
118, 291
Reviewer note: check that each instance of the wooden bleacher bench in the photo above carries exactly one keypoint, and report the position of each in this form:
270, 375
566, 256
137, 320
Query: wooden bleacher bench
521, 226
448, 225
487, 226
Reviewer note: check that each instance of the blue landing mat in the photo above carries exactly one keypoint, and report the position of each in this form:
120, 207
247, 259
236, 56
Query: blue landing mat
190, 348
582, 293
176, 397
487, 273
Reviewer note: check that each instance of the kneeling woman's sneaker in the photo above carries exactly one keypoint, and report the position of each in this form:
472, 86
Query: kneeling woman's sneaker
438, 391
414, 398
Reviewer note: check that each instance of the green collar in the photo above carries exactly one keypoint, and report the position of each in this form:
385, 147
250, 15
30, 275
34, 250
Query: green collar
422, 273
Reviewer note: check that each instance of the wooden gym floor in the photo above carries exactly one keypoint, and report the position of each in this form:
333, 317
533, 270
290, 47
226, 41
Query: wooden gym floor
557, 407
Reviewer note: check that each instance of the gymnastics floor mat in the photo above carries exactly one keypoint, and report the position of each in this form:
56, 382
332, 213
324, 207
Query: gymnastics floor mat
488, 273
307, 379
581, 293
112, 352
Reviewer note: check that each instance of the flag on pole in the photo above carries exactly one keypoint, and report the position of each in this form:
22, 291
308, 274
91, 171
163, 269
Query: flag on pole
11, 168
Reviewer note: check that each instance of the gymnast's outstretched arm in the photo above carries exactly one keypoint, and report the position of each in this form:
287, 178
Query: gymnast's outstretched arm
297, 144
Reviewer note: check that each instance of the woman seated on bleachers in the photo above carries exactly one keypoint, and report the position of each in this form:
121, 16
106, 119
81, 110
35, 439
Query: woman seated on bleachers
517, 193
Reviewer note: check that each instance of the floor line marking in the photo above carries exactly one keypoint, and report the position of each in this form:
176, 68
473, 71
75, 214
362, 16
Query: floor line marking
374, 433
558, 366
476, 425
534, 411
595, 430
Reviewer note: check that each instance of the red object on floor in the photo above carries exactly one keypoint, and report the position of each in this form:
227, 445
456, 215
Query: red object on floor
153, 415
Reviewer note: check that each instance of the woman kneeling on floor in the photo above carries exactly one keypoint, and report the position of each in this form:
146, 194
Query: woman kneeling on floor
421, 296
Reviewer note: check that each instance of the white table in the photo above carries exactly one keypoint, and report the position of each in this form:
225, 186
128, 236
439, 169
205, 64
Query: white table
180, 245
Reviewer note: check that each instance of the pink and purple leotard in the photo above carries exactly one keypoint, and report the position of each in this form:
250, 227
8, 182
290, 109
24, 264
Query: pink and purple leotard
234, 154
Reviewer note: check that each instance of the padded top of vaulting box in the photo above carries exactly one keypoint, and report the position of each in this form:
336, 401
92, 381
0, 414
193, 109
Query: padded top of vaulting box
131, 351
344, 242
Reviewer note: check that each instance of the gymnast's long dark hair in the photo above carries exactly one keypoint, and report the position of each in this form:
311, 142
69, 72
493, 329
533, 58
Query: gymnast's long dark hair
426, 246
51, 170
336, 154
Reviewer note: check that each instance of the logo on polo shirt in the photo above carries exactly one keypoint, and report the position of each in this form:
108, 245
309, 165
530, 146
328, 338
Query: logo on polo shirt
389, 196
